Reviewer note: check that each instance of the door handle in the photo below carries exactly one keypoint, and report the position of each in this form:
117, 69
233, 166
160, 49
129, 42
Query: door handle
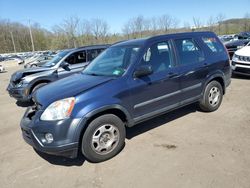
172, 75
205, 65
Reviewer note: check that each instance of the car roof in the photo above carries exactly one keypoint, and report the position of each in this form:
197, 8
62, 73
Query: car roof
90, 47
143, 41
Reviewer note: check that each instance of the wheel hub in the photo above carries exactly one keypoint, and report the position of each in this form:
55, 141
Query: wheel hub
105, 139
214, 96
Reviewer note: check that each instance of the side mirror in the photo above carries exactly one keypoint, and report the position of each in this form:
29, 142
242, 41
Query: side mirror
143, 70
65, 65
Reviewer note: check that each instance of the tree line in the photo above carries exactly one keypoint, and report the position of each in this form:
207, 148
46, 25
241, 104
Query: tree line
74, 32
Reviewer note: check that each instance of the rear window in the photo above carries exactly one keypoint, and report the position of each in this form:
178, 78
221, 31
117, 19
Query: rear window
188, 51
213, 44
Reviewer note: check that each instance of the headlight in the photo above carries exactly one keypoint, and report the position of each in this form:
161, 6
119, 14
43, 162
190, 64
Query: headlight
59, 110
235, 57
20, 84
239, 47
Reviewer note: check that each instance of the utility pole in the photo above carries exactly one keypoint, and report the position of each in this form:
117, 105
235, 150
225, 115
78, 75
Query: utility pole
31, 38
13, 42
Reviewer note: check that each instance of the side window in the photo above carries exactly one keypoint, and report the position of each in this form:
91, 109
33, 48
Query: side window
213, 44
158, 56
92, 54
77, 57
188, 51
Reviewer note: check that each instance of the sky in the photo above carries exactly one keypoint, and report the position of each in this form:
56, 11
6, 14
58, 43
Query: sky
117, 12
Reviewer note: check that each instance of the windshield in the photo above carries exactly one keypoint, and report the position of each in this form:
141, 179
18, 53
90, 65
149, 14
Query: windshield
55, 59
112, 62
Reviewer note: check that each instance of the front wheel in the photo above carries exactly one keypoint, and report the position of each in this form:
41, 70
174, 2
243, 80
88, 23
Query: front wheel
212, 97
103, 138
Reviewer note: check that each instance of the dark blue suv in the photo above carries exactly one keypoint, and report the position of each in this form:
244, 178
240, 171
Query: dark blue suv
128, 83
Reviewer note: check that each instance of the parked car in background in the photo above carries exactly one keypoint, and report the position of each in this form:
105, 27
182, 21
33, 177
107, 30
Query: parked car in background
233, 46
226, 38
15, 58
39, 61
1, 58
24, 82
241, 61
2, 69
128, 83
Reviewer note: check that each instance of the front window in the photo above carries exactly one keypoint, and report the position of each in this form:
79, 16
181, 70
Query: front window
158, 56
112, 62
55, 59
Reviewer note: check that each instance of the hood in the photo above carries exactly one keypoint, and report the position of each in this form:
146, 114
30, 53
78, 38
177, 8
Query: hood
67, 87
245, 51
25, 72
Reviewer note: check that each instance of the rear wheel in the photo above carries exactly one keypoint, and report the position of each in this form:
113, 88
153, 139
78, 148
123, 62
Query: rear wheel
212, 97
103, 138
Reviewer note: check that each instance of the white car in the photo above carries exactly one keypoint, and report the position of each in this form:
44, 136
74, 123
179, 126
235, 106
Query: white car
2, 69
241, 61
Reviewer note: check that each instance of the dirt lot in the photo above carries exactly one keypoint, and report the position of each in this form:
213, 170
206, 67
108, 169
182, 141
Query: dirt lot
184, 148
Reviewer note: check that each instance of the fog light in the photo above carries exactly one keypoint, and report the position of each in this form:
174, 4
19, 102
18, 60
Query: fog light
49, 137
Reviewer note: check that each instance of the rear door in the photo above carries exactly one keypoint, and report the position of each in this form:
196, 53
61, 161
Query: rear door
193, 68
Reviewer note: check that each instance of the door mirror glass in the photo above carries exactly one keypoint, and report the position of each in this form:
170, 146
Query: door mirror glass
143, 70
65, 65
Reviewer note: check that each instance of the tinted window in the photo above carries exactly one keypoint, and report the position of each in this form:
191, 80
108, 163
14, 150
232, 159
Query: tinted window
158, 56
77, 57
188, 51
92, 54
213, 44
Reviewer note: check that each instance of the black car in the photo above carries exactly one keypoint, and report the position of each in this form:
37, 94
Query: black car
233, 46
127, 84
24, 82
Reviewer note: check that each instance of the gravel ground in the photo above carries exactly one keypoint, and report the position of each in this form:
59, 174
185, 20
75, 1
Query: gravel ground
184, 148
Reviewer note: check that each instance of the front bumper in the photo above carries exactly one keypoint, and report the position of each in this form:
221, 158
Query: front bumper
20, 94
65, 141
242, 68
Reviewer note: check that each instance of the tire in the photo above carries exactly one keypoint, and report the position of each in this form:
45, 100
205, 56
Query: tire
212, 97
38, 86
33, 65
103, 138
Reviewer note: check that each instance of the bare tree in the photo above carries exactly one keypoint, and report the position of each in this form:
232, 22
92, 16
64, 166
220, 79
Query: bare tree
165, 22
154, 24
197, 23
99, 29
85, 33
127, 30
219, 19
70, 27
138, 23
246, 22
135, 26
211, 23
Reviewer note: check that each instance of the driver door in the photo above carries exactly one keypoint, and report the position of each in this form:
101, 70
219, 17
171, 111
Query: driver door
159, 91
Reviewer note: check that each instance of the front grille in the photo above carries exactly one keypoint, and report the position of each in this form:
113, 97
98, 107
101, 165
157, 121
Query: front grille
243, 70
244, 58
245, 64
